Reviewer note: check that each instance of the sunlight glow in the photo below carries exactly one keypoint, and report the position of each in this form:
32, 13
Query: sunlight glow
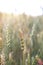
30, 7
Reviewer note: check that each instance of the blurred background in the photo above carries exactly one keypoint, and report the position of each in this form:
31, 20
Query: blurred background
21, 32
